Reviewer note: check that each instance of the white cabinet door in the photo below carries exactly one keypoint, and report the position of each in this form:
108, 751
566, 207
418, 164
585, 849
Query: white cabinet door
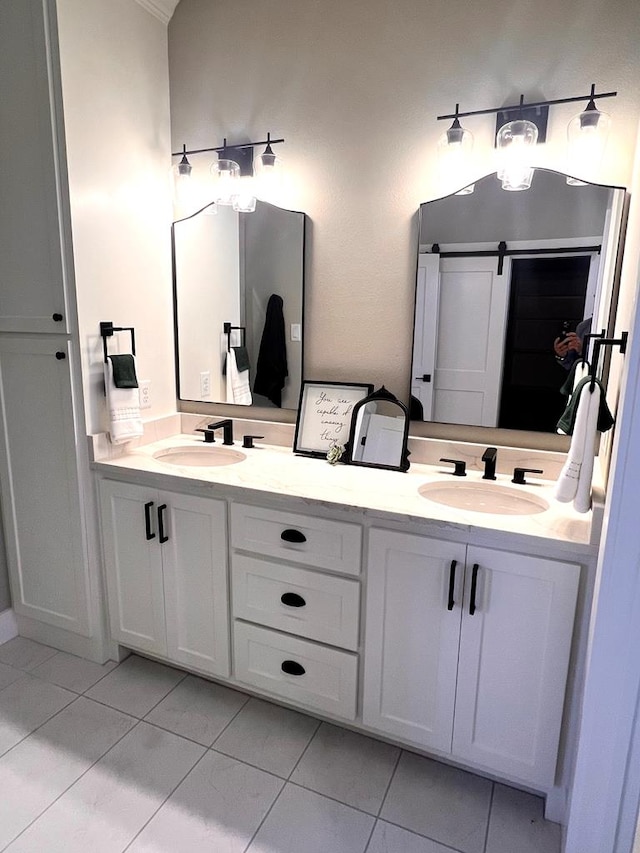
40, 484
32, 269
133, 564
411, 645
514, 654
195, 581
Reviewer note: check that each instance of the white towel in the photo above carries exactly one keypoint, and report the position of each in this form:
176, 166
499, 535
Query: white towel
580, 373
123, 405
574, 482
238, 390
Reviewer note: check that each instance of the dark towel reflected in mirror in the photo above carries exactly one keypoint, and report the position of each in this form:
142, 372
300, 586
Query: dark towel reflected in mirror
271, 370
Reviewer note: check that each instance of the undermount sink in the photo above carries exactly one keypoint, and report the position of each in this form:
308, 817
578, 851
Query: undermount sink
484, 497
203, 456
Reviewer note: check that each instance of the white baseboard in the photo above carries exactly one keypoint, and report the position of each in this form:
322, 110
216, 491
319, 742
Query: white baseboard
556, 805
8, 626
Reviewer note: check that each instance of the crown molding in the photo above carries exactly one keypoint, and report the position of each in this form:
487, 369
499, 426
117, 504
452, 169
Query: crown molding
160, 9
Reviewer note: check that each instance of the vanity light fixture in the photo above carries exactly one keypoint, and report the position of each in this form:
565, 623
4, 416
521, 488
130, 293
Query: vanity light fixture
233, 172
520, 127
454, 148
587, 136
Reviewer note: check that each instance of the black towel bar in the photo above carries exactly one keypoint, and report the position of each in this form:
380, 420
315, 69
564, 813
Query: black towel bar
228, 328
605, 342
106, 331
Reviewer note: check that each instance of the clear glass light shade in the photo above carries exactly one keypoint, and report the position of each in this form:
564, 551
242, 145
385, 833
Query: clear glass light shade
454, 156
183, 187
268, 171
226, 180
244, 201
587, 135
516, 142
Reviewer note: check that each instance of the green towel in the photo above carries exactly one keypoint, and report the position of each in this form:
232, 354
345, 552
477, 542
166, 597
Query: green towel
242, 358
567, 386
568, 419
124, 371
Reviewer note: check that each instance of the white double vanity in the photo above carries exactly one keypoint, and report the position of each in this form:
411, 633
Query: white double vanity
345, 592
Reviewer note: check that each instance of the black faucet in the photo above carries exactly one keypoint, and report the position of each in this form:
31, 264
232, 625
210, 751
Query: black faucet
459, 466
489, 459
227, 427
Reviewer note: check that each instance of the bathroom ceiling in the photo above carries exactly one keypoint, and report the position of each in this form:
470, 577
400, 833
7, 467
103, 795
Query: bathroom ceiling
162, 9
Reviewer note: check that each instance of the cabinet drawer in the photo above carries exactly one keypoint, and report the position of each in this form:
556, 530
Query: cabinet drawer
331, 545
299, 601
327, 679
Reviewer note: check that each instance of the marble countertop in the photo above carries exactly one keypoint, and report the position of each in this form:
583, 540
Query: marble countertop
378, 494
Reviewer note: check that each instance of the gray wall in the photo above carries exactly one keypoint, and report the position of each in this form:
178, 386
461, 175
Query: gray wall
273, 263
5, 597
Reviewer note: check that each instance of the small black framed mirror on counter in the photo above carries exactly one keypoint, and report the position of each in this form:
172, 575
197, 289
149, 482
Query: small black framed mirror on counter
379, 433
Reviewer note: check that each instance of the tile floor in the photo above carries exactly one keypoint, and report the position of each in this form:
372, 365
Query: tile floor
145, 758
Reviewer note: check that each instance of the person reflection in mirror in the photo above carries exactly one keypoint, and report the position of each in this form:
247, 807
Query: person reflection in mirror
568, 348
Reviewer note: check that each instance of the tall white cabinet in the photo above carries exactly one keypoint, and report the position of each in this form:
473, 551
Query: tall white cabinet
32, 254
43, 455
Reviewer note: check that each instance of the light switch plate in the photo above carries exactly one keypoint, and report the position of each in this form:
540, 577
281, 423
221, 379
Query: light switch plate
144, 387
296, 332
205, 383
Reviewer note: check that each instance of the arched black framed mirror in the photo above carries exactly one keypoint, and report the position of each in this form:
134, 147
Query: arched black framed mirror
378, 434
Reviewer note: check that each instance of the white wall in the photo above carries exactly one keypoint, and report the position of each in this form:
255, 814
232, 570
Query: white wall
115, 89
605, 763
355, 89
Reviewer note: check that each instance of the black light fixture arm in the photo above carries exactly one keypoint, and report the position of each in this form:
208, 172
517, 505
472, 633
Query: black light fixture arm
227, 147
591, 96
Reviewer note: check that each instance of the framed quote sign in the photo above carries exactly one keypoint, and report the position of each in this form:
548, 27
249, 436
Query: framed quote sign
324, 415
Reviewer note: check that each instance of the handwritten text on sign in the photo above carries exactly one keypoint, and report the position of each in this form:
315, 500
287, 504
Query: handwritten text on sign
326, 415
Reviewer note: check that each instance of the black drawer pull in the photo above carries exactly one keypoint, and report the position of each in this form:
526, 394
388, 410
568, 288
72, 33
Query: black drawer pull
474, 586
292, 599
57, 318
61, 355
291, 535
161, 534
292, 667
452, 583
147, 521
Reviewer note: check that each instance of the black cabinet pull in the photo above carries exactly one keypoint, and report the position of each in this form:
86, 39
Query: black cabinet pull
291, 535
452, 583
60, 355
57, 318
292, 599
474, 586
147, 521
161, 533
292, 667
